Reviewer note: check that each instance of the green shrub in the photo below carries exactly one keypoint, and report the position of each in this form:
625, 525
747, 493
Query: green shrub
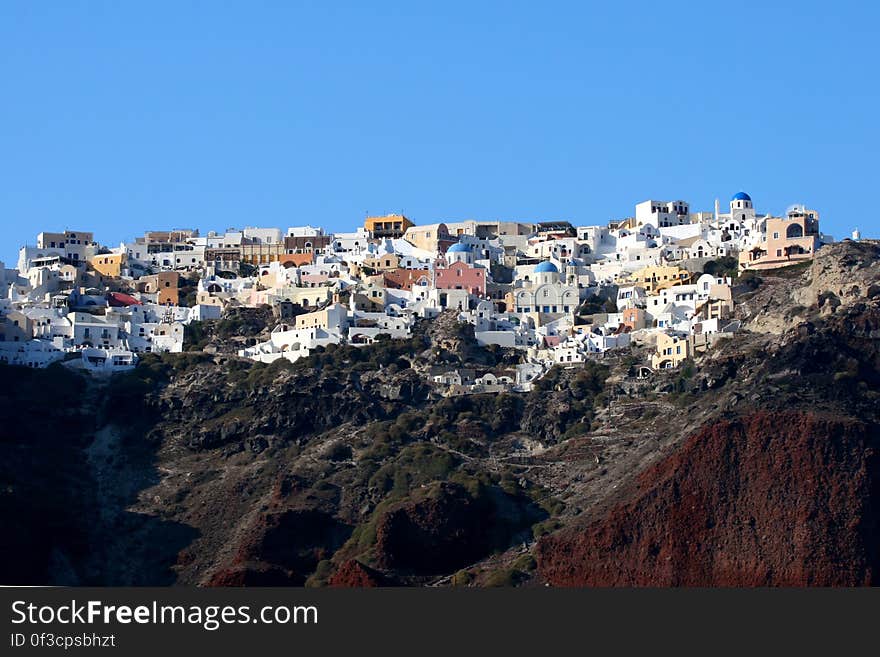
415, 465
721, 267
323, 571
506, 577
462, 578
545, 527
525, 563
195, 336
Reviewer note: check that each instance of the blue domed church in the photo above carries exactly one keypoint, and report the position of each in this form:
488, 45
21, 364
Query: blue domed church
543, 294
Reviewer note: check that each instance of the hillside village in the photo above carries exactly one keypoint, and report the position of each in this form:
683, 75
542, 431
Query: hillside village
554, 292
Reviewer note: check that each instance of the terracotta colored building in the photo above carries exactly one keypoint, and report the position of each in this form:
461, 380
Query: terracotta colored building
634, 318
297, 259
404, 279
459, 276
163, 284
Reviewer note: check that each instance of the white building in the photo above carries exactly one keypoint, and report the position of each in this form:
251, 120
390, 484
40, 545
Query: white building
661, 214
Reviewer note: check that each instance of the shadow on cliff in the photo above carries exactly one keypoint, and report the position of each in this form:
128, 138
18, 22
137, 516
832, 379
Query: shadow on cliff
129, 547
66, 489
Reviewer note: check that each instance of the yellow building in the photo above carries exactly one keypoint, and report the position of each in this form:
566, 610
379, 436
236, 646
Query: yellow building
659, 277
671, 351
389, 226
108, 264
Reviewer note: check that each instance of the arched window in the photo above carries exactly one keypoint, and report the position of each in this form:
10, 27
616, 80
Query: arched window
795, 230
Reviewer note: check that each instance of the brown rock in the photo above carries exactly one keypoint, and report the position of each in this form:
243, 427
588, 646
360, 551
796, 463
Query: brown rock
441, 532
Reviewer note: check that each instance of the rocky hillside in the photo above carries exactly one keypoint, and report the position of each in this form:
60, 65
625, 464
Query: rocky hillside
780, 484
755, 464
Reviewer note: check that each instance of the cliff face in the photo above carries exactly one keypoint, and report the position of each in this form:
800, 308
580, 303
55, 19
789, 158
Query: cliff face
755, 465
783, 499
42, 452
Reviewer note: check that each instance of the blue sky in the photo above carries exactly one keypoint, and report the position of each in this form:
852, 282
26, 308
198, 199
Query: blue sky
121, 117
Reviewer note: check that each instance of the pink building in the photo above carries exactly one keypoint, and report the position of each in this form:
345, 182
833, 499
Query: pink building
789, 240
314, 280
459, 276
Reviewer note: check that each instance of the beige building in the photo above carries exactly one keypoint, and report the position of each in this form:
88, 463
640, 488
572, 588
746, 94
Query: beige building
15, 326
207, 298
431, 237
384, 262
331, 318
68, 238
261, 254
370, 297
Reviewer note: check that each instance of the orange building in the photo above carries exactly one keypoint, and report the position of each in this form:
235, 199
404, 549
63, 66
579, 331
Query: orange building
389, 226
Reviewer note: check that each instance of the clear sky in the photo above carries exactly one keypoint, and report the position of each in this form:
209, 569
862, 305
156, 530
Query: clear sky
119, 117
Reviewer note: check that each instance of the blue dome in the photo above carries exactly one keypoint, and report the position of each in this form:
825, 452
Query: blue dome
458, 248
546, 267
741, 196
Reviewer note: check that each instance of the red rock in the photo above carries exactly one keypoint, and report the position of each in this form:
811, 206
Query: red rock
353, 574
787, 499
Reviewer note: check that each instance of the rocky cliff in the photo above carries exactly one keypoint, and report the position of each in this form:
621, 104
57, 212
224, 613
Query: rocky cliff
755, 464
783, 499
780, 483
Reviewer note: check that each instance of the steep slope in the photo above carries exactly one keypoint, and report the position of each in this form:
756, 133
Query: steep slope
781, 484
785, 499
